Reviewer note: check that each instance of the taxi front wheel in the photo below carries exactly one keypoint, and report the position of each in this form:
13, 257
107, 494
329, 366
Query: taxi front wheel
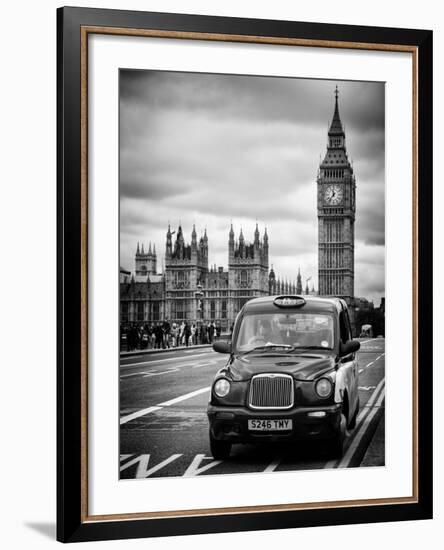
337, 443
219, 449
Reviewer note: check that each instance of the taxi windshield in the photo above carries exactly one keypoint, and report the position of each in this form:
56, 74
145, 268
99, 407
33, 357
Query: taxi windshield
285, 330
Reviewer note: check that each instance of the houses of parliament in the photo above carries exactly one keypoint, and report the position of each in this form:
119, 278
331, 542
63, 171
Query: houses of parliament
193, 290
190, 289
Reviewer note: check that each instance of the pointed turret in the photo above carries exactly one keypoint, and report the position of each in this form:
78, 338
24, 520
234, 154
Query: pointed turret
138, 250
169, 244
336, 124
194, 243
299, 282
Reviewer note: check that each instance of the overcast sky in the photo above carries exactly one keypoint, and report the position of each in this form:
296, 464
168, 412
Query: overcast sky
211, 149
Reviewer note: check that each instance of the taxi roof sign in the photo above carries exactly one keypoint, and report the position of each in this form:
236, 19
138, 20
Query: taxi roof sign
289, 301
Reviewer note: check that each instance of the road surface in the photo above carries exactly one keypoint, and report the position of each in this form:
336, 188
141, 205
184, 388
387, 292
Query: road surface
164, 427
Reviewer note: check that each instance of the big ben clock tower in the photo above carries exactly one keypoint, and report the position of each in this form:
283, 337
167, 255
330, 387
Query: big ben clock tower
336, 215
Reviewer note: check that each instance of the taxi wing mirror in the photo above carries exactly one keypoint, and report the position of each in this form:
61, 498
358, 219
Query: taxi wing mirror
351, 346
222, 347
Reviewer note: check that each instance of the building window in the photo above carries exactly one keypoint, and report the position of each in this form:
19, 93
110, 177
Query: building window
243, 278
140, 311
224, 309
124, 311
213, 309
156, 311
181, 309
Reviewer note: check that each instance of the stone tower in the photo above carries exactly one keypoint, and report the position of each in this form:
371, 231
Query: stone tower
186, 266
336, 215
247, 268
146, 262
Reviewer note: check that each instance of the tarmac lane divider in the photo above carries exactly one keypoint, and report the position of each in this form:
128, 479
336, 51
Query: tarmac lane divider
350, 457
371, 363
370, 408
143, 412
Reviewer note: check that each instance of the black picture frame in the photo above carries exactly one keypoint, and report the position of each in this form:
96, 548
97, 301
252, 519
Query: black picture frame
73, 523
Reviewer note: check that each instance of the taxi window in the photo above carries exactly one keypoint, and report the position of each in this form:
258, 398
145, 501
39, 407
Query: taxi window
345, 327
296, 329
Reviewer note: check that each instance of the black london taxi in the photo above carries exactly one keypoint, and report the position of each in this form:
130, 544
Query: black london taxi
292, 374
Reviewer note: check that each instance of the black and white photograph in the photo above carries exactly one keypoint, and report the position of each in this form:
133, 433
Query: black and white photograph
252, 274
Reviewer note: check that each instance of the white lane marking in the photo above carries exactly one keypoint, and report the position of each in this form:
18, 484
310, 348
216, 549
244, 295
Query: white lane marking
143, 461
132, 374
371, 400
194, 470
273, 465
371, 363
124, 457
346, 459
148, 410
366, 409
128, 365
184, 397
149, 374
206, 364
143, 412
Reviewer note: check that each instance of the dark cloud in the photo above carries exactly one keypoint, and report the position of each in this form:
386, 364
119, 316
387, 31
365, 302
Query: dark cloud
208, 149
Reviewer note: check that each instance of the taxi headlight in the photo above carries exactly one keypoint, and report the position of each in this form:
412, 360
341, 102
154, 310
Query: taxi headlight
221, 387
324, 387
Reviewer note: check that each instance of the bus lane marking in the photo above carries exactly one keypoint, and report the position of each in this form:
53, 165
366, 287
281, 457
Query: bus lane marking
273, 465
364, 412
194, 469
348, 456
142, 462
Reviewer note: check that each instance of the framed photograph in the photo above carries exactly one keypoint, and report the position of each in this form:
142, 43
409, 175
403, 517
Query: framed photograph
244, 274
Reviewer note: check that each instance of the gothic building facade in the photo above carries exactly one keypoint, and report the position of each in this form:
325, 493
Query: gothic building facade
193, 290
336, 215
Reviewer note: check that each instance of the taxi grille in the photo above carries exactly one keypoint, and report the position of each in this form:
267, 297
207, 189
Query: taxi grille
271, 391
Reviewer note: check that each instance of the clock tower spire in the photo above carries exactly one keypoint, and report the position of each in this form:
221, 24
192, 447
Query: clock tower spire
336, 214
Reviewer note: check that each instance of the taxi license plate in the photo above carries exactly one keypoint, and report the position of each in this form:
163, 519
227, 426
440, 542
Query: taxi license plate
270, 425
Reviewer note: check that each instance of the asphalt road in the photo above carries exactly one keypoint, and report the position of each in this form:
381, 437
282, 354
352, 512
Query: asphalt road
164, 427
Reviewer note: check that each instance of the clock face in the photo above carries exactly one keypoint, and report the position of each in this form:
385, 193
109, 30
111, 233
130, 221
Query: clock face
333, 195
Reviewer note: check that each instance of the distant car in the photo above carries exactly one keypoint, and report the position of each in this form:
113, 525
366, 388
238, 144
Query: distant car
291, 374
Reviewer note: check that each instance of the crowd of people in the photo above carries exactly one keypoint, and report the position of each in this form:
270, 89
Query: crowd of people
164, 335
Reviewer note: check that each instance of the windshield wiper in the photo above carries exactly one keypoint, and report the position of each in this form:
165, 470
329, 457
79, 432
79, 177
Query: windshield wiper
311, 347
268, 347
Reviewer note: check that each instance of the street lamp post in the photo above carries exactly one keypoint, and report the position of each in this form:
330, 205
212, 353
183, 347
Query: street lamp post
199, 295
